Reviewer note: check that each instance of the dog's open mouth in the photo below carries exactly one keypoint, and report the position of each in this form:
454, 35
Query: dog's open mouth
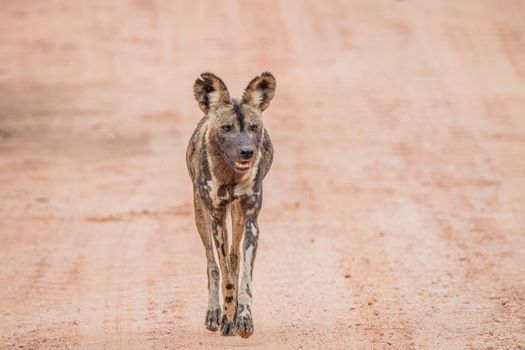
243, 165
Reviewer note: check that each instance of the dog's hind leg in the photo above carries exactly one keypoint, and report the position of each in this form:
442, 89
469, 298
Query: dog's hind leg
202, 219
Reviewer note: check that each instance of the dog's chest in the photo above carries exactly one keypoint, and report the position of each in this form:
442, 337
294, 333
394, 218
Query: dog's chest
221, 194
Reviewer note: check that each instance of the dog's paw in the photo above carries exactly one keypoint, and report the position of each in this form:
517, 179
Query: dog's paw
228, 326
212, 319
245, 325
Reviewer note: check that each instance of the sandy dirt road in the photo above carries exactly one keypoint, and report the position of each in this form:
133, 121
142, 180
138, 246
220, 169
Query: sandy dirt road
394, 214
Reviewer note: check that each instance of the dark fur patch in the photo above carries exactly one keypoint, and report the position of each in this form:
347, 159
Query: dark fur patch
238, 113
257, 184
263, 85
223, 189
204, 156
229, 286
207, 87
228, 299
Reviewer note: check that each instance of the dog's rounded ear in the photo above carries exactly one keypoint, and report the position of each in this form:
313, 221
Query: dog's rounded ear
211, 92
260, 91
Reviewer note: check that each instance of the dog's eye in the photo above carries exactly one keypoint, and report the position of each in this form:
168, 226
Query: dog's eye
254, 127
226, 128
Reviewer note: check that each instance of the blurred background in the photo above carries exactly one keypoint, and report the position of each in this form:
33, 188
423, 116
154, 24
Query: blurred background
394, 213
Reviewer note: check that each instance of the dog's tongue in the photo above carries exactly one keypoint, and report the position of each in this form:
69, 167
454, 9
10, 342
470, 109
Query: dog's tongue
243, 164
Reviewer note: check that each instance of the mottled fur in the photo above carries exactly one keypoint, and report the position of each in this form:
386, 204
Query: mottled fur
228, 156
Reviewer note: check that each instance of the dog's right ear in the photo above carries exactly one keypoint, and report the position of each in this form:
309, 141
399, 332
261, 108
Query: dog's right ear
211, 92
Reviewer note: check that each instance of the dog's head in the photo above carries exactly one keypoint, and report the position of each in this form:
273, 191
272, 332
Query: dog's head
235, 128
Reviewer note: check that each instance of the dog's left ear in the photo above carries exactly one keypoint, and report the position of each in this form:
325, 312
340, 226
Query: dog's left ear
260, 91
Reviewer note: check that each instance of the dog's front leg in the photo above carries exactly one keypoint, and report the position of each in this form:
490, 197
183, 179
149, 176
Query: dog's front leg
220, 236
250, 207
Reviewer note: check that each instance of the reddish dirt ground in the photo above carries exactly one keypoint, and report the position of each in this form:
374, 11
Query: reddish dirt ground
394, 214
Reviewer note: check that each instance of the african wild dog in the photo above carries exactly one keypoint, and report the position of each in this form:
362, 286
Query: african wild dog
228, 157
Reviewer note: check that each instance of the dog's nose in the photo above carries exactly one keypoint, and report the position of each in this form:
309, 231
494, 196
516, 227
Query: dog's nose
247, 152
